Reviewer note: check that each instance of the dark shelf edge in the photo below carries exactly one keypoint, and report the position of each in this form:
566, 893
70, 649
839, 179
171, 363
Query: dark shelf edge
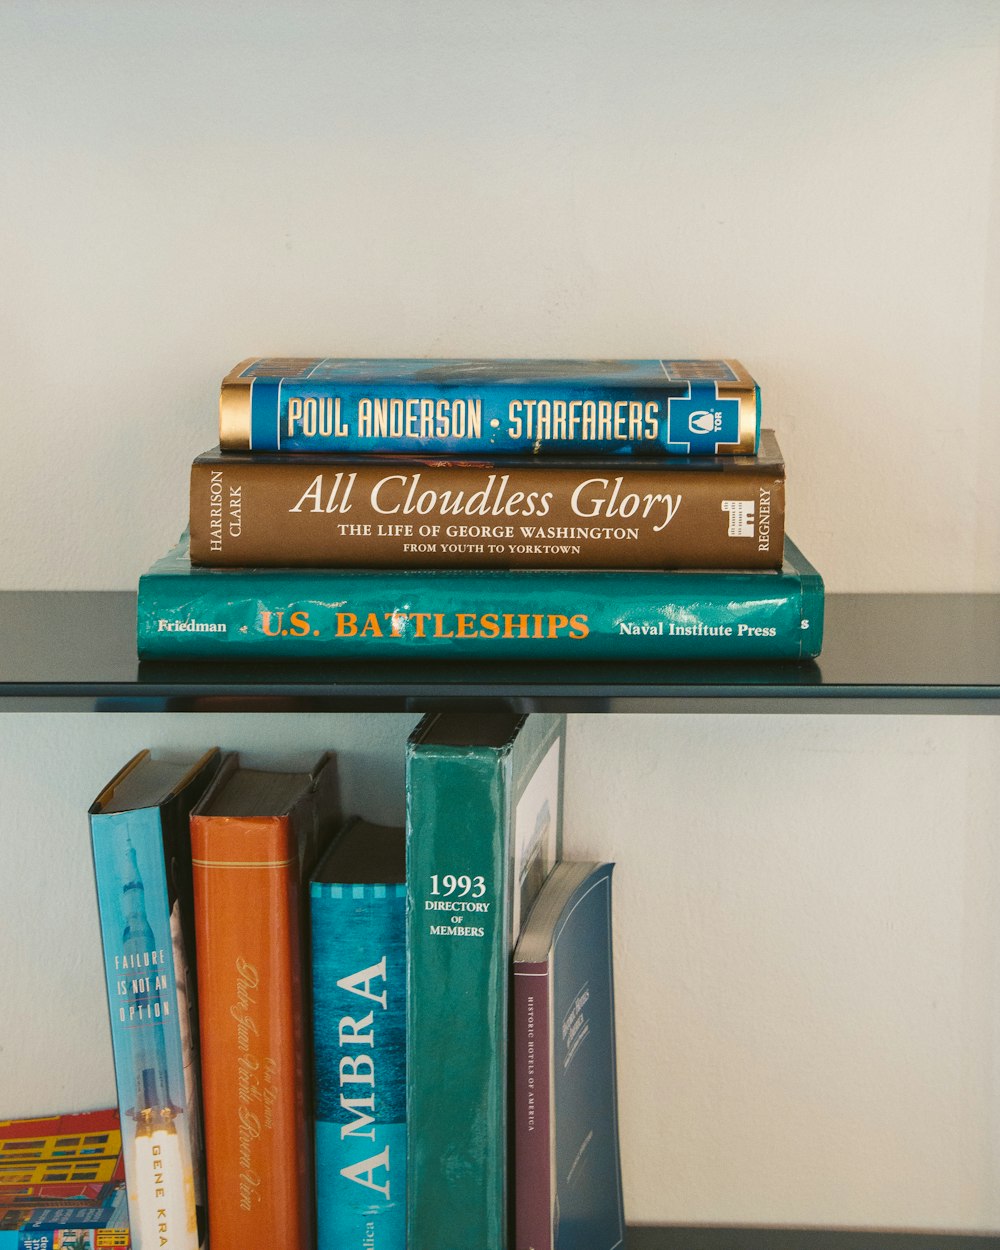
222, 697
704, 1237
888, 654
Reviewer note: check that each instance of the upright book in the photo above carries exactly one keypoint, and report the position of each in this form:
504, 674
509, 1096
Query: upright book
567, 1167
256, 836
472, 407
484, 825
400, 512
357, 907
142, 866
62, 1182
185, 612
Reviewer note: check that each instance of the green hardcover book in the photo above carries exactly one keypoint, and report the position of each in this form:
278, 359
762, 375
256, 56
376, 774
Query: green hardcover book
484, 829
186, 612
141, 843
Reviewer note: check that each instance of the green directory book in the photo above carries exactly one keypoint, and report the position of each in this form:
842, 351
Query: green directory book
483, 831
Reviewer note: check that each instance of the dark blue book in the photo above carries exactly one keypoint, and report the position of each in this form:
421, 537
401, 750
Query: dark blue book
567, 1169
357, 906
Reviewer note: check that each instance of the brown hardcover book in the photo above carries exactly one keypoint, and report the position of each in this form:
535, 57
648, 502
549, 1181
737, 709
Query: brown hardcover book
255, 837
709, 512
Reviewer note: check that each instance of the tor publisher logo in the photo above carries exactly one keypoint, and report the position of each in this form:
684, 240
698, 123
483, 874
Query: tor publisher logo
699, 422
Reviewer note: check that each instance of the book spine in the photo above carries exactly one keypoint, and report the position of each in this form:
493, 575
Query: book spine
247, 923
147, 980
532, 1095
359, 1037
60, 1218
296, 414
456, 1000
469, 614
65, 1237
377, 513
586, 1166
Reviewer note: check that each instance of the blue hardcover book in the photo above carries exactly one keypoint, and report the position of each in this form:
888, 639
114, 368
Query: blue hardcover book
462, 407
567, 1167
357, 907
189, 612
142, 867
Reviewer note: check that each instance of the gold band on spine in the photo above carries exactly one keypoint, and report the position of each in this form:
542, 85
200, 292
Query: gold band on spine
234, 410
744, 389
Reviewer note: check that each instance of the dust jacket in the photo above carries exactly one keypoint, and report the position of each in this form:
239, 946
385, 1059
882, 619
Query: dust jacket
474, 407
185, 612
262, 508
357, 912
142, 867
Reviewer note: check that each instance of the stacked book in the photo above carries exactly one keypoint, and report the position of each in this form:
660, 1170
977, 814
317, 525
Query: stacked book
485, 509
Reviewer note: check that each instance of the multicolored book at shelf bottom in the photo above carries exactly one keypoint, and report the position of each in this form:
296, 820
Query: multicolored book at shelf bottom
62, 1183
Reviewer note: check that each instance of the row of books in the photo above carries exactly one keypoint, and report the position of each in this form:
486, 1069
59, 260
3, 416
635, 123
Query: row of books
401, 1038
485, 509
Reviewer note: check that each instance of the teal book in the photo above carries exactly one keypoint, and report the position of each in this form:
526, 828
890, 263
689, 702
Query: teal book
567, 1165
187, 612
142, 866
472, 407
483, 831
357, 917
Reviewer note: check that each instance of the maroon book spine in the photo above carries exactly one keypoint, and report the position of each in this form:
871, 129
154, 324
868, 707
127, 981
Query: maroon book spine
533, 1217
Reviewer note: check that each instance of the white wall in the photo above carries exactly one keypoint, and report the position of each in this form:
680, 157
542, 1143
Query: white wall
807, 947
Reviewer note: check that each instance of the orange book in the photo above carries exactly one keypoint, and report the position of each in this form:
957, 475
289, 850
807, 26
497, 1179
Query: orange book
255, 837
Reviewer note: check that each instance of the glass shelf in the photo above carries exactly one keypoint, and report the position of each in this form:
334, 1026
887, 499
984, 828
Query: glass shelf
75, 650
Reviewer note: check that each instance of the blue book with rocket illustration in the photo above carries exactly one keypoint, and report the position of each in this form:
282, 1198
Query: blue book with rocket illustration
476, 407
357, 905
142, 866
